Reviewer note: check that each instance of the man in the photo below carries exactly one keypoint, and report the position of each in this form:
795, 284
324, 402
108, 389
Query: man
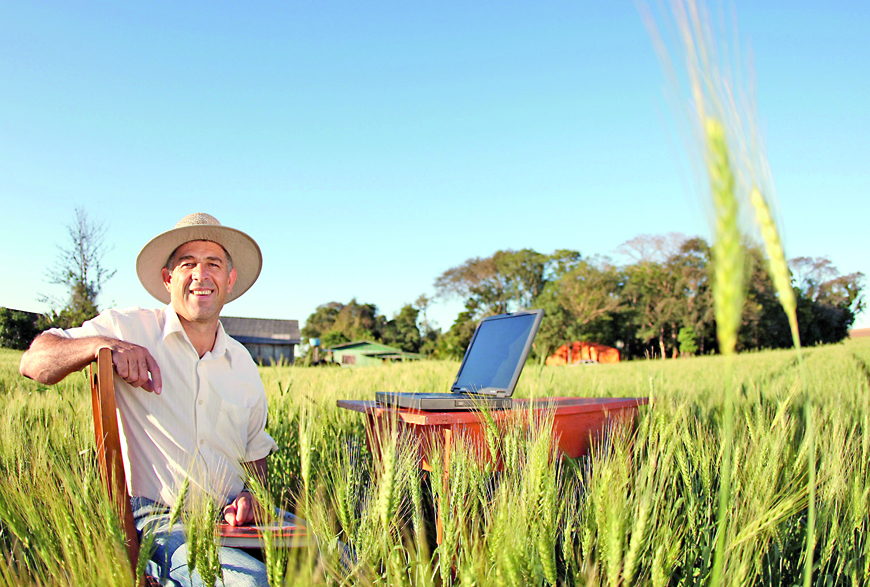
191, 402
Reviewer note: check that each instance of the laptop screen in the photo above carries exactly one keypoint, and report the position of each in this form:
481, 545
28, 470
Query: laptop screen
497, 352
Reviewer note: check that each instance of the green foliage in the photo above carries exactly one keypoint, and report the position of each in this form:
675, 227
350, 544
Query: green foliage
639, 510
79, 269
336, 323
688, 341
506, 281
641, 306
17, 329
352, 321
333, 338
644, 304
71, 316
589, 291
402, 330
455, 341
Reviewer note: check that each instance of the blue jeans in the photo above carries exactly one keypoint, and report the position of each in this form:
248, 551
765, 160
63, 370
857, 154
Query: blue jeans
169, 560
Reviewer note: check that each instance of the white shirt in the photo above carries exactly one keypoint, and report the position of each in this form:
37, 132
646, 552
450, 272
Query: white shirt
209, 419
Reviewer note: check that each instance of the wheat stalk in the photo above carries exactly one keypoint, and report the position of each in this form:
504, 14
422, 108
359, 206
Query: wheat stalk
777, 265
728, 254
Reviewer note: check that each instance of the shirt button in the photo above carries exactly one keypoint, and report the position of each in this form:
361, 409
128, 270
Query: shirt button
200, 402
202, 441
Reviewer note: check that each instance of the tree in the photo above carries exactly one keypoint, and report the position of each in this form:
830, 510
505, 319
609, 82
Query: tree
359, 321
655, 248
402, 331
810, 274
455, 341
525, 271
589, 291
763, 323
690, 265
821, 282
422, 304
561, 262
479, 280
321, 320
506, 281
687, 341
17, 329
79, 268
333, 338
336, 323
827, 301
651, 293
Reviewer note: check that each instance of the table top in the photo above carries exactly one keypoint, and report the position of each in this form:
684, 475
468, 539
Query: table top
560, 406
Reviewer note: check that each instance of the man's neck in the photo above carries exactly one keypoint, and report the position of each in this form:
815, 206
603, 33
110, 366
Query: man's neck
202, 335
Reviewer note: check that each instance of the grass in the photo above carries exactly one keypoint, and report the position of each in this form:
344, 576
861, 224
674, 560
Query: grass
640, 510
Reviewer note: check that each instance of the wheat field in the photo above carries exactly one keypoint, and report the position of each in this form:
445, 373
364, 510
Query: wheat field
640, 510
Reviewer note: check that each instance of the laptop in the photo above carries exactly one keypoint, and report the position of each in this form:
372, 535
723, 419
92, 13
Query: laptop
489, 371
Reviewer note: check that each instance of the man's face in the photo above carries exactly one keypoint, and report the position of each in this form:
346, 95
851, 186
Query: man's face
200, 281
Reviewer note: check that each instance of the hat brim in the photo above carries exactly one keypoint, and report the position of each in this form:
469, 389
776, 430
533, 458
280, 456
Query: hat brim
244, 251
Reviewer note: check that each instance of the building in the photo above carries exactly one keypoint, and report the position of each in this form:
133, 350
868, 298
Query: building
578, 352
269, 341
360, 353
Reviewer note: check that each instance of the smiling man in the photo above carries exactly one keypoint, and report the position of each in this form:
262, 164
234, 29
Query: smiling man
190, 399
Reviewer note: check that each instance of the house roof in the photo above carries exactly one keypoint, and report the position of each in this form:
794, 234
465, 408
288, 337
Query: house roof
262, 330
393, 355
375, 350
364, 343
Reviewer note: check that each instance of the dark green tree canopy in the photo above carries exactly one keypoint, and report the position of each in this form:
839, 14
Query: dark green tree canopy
658, 304
402, 330
506, 281
335, 321
17, 329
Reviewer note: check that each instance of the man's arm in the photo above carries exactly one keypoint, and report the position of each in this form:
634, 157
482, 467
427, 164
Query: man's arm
51, 358
241, 510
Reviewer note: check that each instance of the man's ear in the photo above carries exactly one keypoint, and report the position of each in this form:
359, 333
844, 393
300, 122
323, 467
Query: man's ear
231, 280
167, 277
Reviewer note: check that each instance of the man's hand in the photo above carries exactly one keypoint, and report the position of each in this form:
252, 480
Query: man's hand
133, 363
50, 358
241, 510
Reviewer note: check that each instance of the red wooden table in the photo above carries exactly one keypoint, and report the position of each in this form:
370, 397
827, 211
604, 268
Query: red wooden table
576, 422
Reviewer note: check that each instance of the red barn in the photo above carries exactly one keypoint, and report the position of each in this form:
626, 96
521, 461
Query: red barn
574, 353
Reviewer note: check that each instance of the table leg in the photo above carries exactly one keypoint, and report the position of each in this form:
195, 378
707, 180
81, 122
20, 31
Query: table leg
445, 483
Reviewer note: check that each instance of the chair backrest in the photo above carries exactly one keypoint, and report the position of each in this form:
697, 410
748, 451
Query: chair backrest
109, 446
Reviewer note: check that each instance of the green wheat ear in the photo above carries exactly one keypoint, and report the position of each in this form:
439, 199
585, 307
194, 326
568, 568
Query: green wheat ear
777, 265
728, 248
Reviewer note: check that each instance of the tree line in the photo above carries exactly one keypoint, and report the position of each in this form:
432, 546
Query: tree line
657, 304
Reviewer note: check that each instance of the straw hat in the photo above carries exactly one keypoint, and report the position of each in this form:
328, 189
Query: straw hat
246, 256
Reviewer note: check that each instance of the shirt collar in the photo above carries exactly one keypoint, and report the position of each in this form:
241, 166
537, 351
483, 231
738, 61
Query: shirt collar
220, 342
172, 324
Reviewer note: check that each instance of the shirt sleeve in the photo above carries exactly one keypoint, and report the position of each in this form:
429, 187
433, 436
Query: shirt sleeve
260, 444
102, 325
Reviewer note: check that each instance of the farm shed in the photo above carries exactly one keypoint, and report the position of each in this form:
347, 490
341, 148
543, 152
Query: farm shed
269, 341
363, 352
578, 351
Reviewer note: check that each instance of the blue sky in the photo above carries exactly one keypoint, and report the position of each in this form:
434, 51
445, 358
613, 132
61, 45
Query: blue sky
370, 147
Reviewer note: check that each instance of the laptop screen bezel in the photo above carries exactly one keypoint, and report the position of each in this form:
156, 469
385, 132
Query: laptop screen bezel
539, 314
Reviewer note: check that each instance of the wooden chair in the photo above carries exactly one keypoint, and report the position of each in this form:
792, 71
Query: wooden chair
108, 443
